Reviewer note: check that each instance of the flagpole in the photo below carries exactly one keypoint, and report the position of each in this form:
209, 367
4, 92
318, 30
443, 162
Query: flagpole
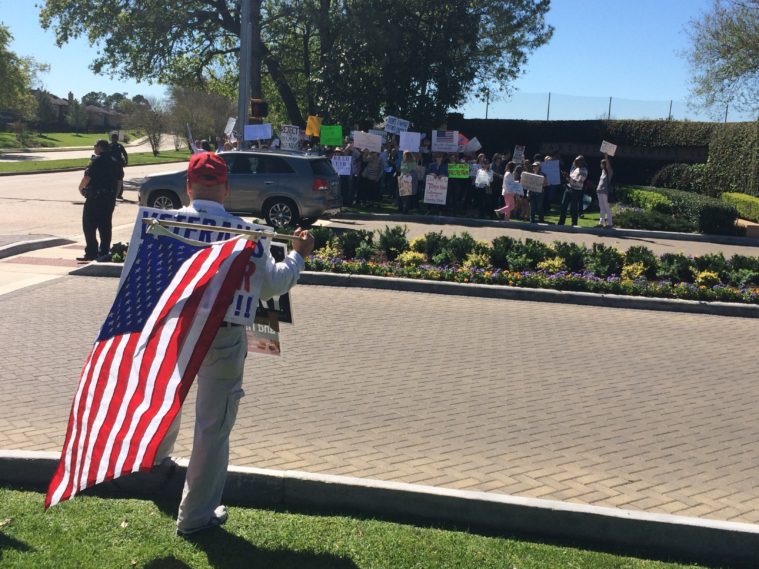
245, 232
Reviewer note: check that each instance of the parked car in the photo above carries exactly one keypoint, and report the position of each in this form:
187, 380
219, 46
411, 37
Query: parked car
285, 187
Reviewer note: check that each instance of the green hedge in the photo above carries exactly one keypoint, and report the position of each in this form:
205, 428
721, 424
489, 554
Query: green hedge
733, 164
709, 215
652, 220
747, 206
687, 177
649, 200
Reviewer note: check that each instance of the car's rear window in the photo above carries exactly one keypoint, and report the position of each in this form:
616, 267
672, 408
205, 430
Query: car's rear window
322, 167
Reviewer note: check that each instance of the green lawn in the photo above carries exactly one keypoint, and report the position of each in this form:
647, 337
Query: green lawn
56, 139
101, 533
134, 160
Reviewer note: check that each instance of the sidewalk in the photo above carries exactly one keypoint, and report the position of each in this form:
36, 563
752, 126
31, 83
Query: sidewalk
596, 424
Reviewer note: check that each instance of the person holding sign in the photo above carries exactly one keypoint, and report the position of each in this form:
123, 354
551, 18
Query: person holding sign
510, 190
407, 181
536, 195
605, 219
220, 376
573, 194
482, 183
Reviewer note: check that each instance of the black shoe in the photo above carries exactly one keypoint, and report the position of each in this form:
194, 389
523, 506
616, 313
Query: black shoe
104, 258
85, 259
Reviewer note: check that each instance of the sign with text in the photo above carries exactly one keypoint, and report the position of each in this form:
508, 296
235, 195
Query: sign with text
518, 156
371, 142
313, 125
395, 125
445, 141
289, 136
405, 185
608, 148
378, 132
473, 169
257, 132
551, 169
331, 135
410, 141
458, 170
230, 125
435, 189
532, 182
245, 303
342, 165
473, 145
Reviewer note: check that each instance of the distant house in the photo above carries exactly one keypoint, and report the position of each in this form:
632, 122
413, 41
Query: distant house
99, 118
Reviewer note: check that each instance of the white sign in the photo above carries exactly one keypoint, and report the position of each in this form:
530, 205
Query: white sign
518, 156
551, 169
245, 302
435, 189
532, 182
372, 142
405, 184
377, 132
473, 169
410, 141
342, 165
257, 132
230, 125
608, 148
290, 136
445, 141
473, 145
395, 125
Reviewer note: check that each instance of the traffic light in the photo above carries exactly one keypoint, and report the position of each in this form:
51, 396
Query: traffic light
259, 108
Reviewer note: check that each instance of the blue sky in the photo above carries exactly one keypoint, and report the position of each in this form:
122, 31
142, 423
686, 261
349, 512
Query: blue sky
628, 50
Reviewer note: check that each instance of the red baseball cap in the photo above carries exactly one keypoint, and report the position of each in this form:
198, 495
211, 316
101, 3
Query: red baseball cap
207, 169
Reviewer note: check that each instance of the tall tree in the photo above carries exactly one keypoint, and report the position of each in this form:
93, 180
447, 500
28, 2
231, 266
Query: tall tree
347, 59
17, 77
76, 116
96, 98
724, 55
152, 119
205, 112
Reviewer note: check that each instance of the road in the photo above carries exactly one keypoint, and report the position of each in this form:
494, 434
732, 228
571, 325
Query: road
50, 203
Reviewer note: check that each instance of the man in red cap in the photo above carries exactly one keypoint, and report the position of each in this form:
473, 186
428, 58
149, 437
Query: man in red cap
220, 376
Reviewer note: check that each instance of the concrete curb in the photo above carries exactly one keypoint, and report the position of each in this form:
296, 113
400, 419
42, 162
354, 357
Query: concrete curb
533, 228
32, 245
491, 291
736, 544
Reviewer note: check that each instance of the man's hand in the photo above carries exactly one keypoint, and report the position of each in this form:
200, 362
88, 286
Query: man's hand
305, 245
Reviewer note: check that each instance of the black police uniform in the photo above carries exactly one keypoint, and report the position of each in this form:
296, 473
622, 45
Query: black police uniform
100, 201
119, 152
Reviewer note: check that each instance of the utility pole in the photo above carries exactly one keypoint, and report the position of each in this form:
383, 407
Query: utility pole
256, 51
548, 111
609, 116
487, 102
669, 118
727, 105
246, 41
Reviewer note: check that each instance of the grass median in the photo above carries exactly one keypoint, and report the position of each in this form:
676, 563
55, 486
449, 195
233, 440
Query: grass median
135, 159
56, 139
92, 532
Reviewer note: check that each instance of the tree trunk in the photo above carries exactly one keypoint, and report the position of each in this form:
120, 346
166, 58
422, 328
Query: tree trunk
283, 87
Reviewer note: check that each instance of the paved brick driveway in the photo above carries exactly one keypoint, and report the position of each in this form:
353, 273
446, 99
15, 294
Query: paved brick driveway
641, 410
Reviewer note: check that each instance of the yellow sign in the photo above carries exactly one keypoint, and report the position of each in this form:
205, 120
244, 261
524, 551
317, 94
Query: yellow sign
313, 126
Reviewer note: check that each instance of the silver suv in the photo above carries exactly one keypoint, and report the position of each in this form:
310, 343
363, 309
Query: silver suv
285, 187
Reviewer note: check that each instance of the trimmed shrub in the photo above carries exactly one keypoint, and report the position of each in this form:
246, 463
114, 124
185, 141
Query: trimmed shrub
392, 241
501, 247
552, 265
525, 256
321, 235
604, 261
633, 272
714, 262
411, 259
733, 164
707, 278
676, 267
572, 254
365, 251
686, 177
639, 254
349, 240
476, 261
653, 220
649, 200
744, 277
461, 246
430, 244
747, 206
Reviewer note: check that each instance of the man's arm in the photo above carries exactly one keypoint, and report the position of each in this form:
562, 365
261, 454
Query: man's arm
281, 277
84, 183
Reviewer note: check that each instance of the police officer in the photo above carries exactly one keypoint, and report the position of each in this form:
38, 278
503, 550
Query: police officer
120, 153
98, 186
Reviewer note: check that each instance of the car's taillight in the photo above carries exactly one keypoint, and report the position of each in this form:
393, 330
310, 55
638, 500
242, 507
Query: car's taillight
320, 184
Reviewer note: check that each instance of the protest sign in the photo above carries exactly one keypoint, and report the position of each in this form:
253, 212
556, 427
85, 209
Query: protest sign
342, 165
458, 171
331, 135
362, 140
532, 182
289, 136
463, 141
608, 148
230, 125
257, 132
435, 189
395, 125
378, 132
551, 169
445, 141
473, 169
243, 308
191, 140
518, 156
405, 185
313, 125
473, 145
410, 141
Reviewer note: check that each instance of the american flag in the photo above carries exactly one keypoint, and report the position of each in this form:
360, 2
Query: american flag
144, 361
445, 136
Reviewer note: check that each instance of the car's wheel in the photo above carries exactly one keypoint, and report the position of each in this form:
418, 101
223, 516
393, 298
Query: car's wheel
280, 212
164, 199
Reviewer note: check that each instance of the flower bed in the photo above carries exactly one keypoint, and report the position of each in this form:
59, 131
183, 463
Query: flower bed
530, 264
